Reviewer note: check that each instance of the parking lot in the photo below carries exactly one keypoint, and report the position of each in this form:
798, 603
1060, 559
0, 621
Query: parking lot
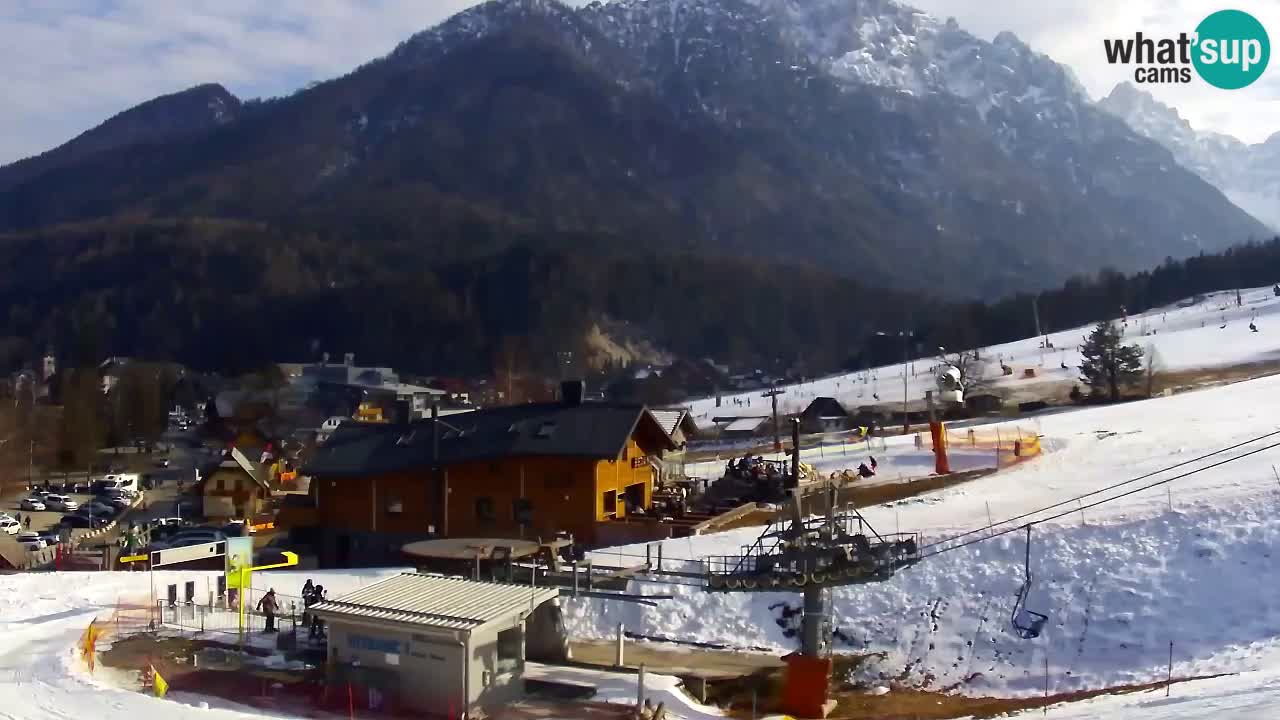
160, 501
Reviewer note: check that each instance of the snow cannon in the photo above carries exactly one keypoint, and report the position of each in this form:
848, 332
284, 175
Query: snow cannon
950, 387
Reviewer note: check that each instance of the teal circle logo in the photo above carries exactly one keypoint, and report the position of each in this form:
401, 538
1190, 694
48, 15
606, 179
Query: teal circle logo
1232, 49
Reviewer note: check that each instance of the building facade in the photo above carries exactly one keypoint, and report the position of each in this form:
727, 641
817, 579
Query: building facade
520, 472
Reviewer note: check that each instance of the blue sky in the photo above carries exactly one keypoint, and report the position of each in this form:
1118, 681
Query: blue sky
70, 64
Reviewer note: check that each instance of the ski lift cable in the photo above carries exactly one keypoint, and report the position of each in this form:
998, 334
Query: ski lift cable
1101, 490
1104, 501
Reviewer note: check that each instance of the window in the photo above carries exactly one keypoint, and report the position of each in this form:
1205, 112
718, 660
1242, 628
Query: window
510, 650
394, 506
634, 497
522, 511
484, 509
611, 503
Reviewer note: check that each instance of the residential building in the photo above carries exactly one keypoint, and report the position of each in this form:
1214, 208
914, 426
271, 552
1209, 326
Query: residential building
824, 415
520, 471
235, 490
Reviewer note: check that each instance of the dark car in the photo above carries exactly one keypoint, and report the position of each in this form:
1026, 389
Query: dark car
81, 521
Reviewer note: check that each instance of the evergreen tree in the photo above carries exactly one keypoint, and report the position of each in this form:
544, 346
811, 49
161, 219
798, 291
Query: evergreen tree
1107, 362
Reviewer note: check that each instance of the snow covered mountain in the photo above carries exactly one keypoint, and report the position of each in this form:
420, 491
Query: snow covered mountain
1248, 174
861, 136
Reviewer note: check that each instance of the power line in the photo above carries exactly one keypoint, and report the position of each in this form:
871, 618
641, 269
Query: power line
1102, 490
1072, 511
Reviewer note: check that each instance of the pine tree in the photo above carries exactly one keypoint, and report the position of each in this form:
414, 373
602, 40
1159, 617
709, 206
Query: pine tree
1107, 362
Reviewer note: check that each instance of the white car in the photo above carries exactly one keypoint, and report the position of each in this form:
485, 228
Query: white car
61, 502
32, 503
9, 526
31, 540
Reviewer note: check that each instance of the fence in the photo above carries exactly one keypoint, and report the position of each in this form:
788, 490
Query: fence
1010, 445
221, 614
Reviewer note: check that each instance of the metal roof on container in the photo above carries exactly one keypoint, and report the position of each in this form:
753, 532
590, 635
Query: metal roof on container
437, 601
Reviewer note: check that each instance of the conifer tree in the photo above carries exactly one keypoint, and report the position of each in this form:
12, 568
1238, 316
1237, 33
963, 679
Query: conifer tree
1108, 364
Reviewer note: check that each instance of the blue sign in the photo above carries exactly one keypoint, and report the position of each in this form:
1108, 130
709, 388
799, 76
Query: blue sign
373, 644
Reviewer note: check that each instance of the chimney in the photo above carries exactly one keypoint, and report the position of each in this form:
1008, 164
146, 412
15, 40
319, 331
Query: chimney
349, 359
572, 392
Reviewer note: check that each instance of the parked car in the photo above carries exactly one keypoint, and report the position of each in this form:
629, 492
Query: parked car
81, 521
82, 487
50, 536
97, 508
31, 540
32, 503
9, 526
188, 537
162, 462
60, 502
119, 502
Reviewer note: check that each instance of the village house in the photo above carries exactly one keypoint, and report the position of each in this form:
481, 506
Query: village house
235, 490
522, 471
824, 415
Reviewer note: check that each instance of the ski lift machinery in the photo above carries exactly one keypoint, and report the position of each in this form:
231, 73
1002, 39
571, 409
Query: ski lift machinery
1027, 624
828, 548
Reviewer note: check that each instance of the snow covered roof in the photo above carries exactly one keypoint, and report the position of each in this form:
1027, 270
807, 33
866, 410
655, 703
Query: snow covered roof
668, 419
745, 424
437, 601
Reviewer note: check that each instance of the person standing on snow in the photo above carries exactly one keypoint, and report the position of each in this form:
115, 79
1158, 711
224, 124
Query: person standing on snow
268, 605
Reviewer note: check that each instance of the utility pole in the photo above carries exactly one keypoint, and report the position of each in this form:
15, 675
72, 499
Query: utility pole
442, 487
906, 422
773, 394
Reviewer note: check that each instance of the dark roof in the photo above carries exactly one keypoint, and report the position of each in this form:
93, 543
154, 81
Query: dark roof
592, 430
825, 407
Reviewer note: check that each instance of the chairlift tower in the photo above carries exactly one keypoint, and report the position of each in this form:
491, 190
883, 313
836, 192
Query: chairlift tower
773, 394
811, 555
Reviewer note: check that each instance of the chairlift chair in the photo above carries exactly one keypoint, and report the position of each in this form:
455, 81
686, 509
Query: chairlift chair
1027, 624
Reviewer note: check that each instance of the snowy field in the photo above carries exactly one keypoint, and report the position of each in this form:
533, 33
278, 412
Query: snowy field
1183, 338
1189, 563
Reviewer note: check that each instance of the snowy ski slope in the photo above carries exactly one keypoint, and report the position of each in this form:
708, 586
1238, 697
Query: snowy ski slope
1189, 563
1183, 338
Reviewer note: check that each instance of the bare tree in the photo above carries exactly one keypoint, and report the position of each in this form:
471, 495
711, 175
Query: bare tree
970, 365
1151, 368
81, 430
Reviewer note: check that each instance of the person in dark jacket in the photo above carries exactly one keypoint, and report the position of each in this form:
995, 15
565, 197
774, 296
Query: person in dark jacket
268, 605
316, 630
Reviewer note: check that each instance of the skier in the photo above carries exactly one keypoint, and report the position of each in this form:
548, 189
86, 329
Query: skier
268, 605
874, 464
1253, 328
864, 471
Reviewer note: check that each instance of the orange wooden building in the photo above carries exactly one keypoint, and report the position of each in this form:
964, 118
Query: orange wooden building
524, 471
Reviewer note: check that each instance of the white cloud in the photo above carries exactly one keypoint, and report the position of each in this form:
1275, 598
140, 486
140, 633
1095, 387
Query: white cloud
1072, 31
69, 64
